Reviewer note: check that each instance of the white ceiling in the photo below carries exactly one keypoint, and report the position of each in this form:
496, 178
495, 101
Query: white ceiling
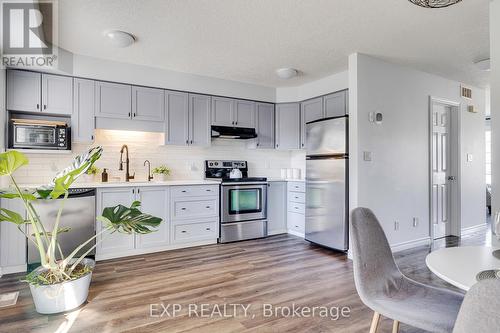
246, 40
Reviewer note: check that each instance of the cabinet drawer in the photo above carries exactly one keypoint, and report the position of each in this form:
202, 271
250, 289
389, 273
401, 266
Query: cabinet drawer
299, 197
296, 207
194, 191
195, 231
297, 186
296, 222
185, 208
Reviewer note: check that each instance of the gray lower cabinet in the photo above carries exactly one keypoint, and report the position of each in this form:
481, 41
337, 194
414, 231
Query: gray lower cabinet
199, 120
287, 126
12, 241
336, 104
57, 94
276, 207
310, 110
265, 125
113, 100
82, 119
177, 120
154, 201
24, 91
223, 111
296, 208
113, 244
148, 104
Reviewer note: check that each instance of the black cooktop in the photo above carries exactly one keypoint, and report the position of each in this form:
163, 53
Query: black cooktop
243, 180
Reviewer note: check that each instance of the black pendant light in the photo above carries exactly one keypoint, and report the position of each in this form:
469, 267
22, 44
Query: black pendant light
434, 3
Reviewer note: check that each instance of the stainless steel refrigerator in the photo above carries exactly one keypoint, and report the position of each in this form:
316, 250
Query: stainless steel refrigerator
327, 183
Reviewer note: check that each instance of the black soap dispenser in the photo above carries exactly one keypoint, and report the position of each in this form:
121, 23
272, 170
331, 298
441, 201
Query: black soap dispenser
104, 176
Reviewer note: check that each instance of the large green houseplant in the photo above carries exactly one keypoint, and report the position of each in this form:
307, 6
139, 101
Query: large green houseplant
61, 282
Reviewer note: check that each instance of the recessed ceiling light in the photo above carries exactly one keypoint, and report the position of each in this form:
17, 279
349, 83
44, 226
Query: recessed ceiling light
287, 73
484, 65
119, 38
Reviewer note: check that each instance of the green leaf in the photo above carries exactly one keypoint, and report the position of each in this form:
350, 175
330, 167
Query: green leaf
25, 194
10, 216
59, 231
129, 220
63, 180
10, 161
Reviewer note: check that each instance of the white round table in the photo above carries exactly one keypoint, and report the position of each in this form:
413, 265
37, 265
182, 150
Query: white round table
460, 265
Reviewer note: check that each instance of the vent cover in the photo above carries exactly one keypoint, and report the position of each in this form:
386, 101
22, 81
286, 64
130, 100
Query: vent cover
466, 92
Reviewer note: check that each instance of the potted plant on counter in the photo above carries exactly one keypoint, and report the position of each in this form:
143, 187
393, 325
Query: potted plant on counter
91, 174
61, 283
162, 172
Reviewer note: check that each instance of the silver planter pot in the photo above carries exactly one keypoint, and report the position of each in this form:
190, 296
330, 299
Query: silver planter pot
63, 296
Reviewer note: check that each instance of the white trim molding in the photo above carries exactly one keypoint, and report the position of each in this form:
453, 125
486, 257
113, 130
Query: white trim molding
410, 244
474, 228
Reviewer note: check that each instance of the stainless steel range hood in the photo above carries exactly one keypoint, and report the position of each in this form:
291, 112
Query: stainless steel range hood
228, 132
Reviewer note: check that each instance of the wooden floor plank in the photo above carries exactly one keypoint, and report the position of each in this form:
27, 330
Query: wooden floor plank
279, 271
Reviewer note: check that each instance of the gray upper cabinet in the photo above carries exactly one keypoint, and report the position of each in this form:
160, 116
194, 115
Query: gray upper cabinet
82, 119
199, 120
57, 94
310, 110
223, 111
336, 104
287, 126
177, 121
244, 115
265, 125
113, 100
148, 104
24, 91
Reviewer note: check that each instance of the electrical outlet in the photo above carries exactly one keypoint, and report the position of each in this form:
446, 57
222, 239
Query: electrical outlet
367, 156
396, 225
415, 222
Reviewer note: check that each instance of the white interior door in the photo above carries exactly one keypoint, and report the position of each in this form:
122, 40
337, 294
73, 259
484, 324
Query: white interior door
441, 164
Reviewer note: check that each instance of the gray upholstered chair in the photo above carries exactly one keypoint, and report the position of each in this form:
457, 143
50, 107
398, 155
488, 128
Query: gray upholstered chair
384, 289
480, 311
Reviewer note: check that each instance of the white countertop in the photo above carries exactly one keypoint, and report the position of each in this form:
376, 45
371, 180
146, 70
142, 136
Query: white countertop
135, 183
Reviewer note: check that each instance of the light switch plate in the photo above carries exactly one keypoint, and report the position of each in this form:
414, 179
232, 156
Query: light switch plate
367, 156
470, 157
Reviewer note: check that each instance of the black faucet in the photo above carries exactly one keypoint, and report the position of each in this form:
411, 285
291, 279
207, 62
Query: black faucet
149, 170
127, 161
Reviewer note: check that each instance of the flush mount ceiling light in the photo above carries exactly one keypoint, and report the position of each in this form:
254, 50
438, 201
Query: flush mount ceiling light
484, 65
434, 3
119, 38
287, 73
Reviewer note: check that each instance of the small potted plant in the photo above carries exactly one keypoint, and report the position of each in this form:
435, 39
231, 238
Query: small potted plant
91, 174
61, 283
162, 172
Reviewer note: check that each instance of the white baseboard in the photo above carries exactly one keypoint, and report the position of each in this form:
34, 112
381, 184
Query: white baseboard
295, 233
107, 256
474, 228
13, 269
277, 232
410, 244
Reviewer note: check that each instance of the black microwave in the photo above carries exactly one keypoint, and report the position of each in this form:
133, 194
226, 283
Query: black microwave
39, 136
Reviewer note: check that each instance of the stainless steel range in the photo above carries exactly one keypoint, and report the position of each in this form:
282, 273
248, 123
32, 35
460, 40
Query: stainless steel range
243, 201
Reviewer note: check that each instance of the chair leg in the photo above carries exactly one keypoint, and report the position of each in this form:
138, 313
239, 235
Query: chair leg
375, 321
395, 326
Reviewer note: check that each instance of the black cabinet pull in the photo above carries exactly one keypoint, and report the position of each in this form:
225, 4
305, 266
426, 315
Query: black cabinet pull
129, 114
183, 191
207, 229
134, 115
92, 137
38, 106
208, 190
183, 231
191, 141
138, 190
183, 208
133, 191
45, 106
236, 123
187, 142
207, 207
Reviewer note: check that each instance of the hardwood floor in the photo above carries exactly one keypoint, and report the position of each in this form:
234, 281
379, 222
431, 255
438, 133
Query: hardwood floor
279, 271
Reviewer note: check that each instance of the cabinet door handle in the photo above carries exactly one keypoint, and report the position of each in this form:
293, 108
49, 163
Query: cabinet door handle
277, 145
208, 190
133, 191
138, 190
183, 208
37, 106
257, 144
191, 141
207, 229
129, 114
187, 142
183, 231
236, 123
92, 137
45, 106
207, 207
183, 191
134, 115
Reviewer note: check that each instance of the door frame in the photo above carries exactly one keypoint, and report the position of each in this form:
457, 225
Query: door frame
456, 168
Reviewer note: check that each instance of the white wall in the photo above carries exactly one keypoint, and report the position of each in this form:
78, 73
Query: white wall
326, 85
495, 102
2, 118
395, 184
95, 68
185, 162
